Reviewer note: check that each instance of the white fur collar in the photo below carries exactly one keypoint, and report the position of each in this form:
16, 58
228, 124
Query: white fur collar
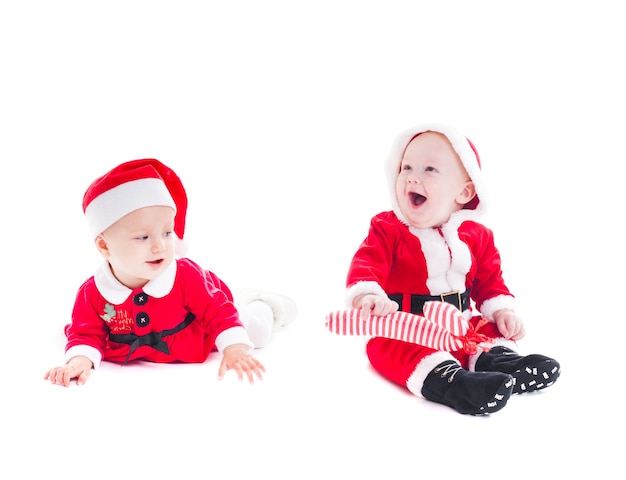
116, 293
448, 259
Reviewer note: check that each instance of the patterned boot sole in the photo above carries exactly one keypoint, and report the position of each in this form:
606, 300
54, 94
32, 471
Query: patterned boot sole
499, 399
535, 377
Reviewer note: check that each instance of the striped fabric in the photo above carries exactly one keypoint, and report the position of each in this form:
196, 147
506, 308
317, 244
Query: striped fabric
442, 327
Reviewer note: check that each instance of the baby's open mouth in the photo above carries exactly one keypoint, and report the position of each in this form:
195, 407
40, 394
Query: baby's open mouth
155, 262
416, 199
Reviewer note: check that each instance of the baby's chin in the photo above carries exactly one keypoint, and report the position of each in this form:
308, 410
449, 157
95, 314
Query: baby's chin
413, 220
420, 225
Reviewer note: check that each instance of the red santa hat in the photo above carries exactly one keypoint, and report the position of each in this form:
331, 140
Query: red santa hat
130, 186
463, 147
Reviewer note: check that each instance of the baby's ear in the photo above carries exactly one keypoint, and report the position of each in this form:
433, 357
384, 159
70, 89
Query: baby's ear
102, 246
467, 194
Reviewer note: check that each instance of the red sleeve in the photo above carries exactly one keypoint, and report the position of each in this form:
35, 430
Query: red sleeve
374, 258
208, 296
87, 327
219, 283
488, 281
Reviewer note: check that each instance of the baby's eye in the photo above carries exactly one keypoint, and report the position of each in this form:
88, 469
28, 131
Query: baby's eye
406, 167
167, 234
430, 169
142, 237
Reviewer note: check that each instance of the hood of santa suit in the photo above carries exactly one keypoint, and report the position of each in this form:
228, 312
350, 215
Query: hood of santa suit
461, 145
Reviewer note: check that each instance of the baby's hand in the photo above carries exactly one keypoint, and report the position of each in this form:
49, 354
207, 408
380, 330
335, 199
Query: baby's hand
371, 304
236, 357
78, 368
509, 324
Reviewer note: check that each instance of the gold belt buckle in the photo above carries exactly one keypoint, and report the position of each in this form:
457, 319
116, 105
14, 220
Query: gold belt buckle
456, 293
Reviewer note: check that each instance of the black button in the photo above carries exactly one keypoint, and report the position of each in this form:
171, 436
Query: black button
142, 319
140, 298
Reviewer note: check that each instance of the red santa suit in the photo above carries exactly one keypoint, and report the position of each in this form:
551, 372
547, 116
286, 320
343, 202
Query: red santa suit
456, 262
180, 316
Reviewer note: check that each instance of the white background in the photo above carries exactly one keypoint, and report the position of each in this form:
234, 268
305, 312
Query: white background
278, 116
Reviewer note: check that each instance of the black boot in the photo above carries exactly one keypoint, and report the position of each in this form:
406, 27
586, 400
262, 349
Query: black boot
474, 393
532, 372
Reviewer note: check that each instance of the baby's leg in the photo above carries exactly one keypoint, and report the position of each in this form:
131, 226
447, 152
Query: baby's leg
531, 373
263, 312
437, 376
258, 319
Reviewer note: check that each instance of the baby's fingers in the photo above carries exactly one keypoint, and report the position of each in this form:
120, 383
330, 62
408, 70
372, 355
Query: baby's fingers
83, 377
222, 370
59, 376
366, 310
250, 367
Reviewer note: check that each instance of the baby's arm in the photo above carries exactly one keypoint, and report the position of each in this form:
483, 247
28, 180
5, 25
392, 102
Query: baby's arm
372, 304
509, 324
78, 367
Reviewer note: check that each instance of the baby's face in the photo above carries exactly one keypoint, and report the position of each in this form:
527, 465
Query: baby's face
432, 182
140, 245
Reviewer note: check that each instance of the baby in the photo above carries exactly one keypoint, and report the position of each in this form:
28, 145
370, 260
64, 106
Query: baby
146, 301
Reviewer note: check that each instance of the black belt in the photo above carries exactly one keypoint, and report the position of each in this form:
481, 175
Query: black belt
458, 299
152, 339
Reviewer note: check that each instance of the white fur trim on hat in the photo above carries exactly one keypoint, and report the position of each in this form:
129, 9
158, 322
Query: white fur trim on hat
108, 207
